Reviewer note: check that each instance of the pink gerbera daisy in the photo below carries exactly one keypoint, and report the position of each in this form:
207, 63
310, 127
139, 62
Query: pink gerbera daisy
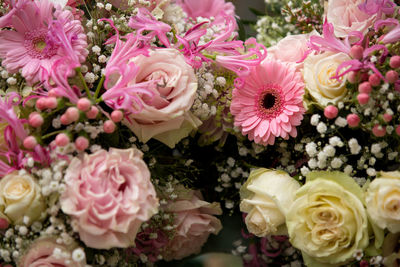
269, 103
30, 44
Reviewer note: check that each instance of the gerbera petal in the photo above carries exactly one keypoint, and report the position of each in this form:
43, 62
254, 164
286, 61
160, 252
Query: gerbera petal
262, 128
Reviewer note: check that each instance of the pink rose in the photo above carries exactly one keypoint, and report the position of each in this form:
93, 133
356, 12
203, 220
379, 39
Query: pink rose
194, 222
109, 195
207, 9
346, 17
166, 116
291, 48
41, 254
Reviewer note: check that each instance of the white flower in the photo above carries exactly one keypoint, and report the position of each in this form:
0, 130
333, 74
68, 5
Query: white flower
354, 146
266, 197
329, 150
336, 163
348, 169
78, 255
375, 148
311, 149
341, 122
321, 128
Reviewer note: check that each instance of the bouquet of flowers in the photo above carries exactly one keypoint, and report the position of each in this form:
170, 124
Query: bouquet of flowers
130, 126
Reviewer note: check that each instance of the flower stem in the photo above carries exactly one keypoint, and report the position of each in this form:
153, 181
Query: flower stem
51, 134
98, 88
89, 94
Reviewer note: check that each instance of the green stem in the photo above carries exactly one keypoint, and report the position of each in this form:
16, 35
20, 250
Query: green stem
52, 134
210, 56
78, 70
98, 88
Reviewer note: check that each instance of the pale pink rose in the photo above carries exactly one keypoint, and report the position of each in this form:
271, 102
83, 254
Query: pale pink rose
109, 195
41, 254
207, 9
194, 222
166, 115
291, 49
346, 17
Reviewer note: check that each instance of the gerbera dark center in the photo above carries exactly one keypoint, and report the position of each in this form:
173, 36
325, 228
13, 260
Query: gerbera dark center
269, 100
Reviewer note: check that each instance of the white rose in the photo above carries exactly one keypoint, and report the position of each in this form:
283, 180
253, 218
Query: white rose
317, 73
266, 197
383, 201
20, 196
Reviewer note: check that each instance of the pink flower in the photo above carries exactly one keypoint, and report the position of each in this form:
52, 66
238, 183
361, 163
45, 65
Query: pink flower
109, 195
29, 44
207, 9
165, 116
346, 17
194, 222
40, 254
292, 48
270, 103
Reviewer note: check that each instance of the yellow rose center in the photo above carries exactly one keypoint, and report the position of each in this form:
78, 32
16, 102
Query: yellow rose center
18, 187
326, 73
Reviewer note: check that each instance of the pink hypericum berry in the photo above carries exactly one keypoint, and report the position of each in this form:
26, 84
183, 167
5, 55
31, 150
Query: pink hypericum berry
84, 104
62, 139
64, 119
331, 112
3, 224
387, 117
41, 103
365, 87
81, 143
374, 79
52, 93
353, 120
379, 130
363, 98
353, 77
117, 116
398, 130
30, 142
357, 51
392, 76
109, 126
395, 62
92, 113
72, 114
35, 120
51, 102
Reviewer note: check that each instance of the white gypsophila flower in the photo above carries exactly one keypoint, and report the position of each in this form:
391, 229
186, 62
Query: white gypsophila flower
372, 161
375, 149
304, 170
321, 128
221, 81
329, 150
334, 141
341, 122
315, 119
348, 169
311, 149
78, 255
336, 163
355, 148
371, 172
312, 163
392, 155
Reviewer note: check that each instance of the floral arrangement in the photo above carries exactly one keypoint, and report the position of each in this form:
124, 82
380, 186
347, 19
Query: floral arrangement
134, 131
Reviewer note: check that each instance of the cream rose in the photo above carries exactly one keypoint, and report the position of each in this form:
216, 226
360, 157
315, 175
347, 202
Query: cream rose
166, 116
317, 73
20, 196
383, 201
266, 197
327, 220
346, 17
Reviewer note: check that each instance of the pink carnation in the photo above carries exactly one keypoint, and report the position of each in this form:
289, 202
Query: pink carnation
269, 103
109, 195
30, 44
194, 222
207, 9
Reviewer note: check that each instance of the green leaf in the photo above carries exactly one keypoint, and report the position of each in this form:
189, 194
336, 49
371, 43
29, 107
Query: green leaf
242, 31
256, 12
